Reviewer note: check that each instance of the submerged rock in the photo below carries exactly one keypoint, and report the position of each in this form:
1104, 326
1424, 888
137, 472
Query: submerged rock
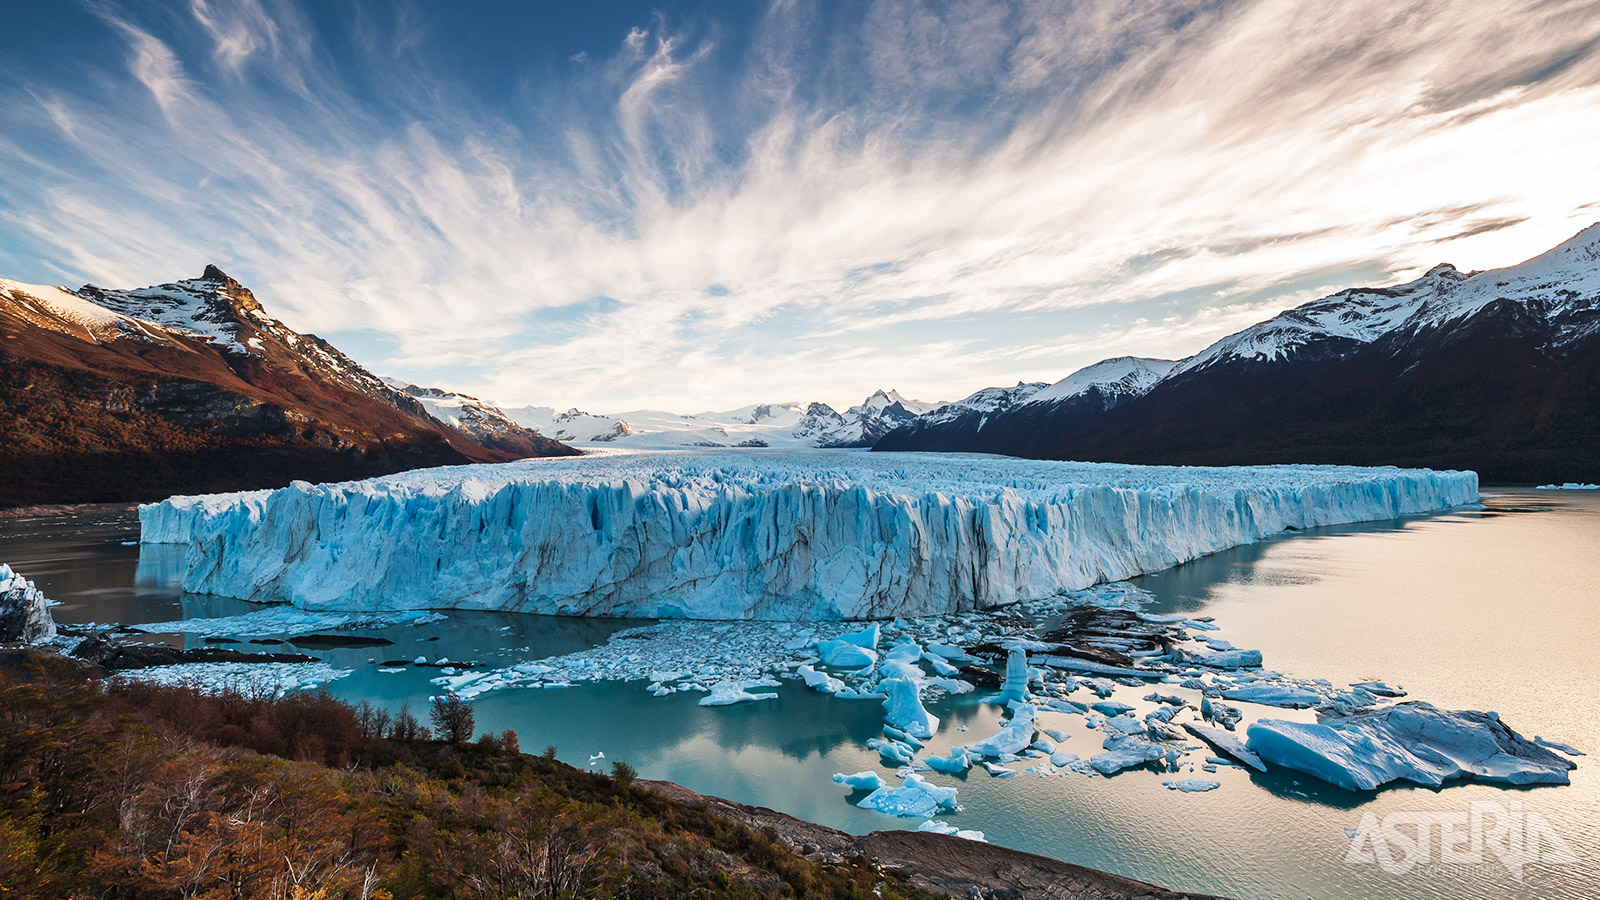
1412, 741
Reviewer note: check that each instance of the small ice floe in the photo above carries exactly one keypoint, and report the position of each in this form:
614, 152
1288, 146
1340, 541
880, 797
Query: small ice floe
1193, 785
1570, 486
957, 762
1016, 736
1287, 696
390, 670
1227, 743
1564, 748
939, 827
597, 758
729, 693
845, 655
1223, 659
860, 781
1412, 741
1125, 751
892, 751
915, 798
998, 771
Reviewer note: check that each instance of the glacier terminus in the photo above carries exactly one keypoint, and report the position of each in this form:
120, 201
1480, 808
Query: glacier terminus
787, 535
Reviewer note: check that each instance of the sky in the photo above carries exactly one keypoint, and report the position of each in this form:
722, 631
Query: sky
697, 205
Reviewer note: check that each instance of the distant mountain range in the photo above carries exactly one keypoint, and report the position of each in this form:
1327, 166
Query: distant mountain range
191, 386
1495, 371
788, 425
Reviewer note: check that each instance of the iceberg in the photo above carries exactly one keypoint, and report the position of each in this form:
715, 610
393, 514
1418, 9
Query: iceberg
1193, 785
940, 827
1412, 741
1225, 742
1015, 687
1015, 737
728, 694
24, 612
905, 710
845, 655
789, 536
915, 797
957, 762
1287, 696
860, 781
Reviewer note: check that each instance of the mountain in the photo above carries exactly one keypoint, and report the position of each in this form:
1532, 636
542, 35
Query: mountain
1496, 371
191, 386
484, 423
759, 425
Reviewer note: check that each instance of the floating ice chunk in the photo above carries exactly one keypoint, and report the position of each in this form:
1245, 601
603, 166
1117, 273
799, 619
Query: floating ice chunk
867, 637
1015, 737
949, 651
1227, 743
892, 751
957, 762
845, 655
998, 771
915, 797
1055, 735
860, 781
1193, 785
1111, 707
24, 612
1564, 748
596, 758
1412, 741
1015, 687
1287, 696
908, 652
898, 735
1223, 659
1062, 760
938, 827
1570, 486
1378, 688
940, 666
1124, 752
729, 693
820, 681
1127, 723
904, 709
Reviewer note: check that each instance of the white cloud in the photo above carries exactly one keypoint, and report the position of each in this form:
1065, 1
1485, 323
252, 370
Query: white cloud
839, 205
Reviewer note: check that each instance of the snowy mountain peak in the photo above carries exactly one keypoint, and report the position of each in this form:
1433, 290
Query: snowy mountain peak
1120, 376
1561, 285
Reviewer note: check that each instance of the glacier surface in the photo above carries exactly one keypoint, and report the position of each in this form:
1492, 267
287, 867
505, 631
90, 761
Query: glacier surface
771, 535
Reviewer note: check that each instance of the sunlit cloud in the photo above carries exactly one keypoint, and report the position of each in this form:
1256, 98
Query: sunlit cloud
804, 205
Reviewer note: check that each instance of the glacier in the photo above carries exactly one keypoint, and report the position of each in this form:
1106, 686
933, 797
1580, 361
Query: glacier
763, 535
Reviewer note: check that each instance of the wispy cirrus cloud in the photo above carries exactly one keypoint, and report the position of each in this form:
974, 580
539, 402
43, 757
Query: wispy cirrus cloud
809, 202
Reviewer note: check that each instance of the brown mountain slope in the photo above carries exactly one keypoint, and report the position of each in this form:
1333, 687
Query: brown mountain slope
186, 387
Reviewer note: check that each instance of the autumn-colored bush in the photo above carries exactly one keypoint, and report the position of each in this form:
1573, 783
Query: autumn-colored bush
131, 791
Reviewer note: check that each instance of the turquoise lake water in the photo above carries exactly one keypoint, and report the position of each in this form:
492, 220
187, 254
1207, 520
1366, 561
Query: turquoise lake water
1497, 608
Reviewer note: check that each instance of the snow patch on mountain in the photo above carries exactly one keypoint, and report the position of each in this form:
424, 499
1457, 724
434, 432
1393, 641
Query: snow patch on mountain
986, 402
1561, 285
1118, 377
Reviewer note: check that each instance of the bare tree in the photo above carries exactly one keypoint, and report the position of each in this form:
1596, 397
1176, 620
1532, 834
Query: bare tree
452, 718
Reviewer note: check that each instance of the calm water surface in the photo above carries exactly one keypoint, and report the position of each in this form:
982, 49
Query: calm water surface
1496, 609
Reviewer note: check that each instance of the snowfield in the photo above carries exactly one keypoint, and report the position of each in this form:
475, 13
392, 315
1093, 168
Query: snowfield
760, 535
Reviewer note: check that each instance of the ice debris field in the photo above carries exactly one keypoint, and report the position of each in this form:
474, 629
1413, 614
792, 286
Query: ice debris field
823, 535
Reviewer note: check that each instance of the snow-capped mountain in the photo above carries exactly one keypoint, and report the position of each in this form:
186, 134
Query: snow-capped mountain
1497, 371
757, 425
128, 394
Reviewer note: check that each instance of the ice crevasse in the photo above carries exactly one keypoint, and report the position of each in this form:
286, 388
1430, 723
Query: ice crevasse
790, 535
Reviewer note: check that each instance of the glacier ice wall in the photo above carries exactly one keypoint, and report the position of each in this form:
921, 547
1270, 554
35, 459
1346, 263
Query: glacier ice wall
780, 535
